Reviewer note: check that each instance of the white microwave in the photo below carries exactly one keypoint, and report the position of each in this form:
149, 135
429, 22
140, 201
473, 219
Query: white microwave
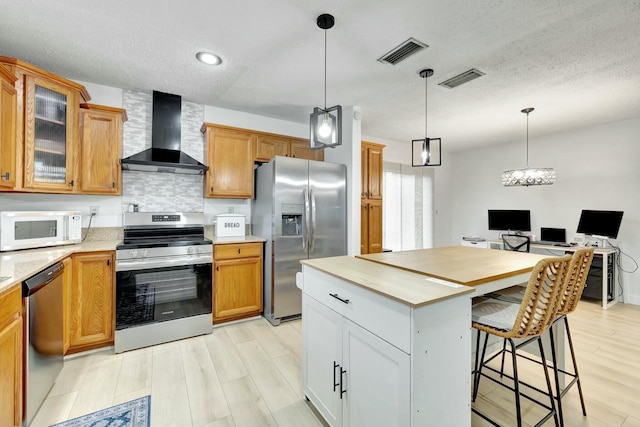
35, 229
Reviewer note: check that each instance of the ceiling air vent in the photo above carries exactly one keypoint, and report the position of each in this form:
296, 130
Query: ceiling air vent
465, 77
402, 52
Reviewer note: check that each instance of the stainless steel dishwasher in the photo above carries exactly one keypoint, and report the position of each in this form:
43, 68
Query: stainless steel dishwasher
44, 329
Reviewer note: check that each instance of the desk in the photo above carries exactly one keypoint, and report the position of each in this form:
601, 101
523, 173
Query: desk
606, 272
387, 337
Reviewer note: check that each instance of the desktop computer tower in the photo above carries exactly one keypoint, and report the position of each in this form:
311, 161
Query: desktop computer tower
594, 283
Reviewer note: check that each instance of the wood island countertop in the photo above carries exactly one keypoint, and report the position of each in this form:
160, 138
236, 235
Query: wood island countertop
460, 264
408, 288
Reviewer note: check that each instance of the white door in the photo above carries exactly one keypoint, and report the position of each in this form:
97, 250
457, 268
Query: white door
377, 380
321, 358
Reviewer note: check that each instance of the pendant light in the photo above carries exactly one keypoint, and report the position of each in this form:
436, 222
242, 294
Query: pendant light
528, 176
426, 151
326, 123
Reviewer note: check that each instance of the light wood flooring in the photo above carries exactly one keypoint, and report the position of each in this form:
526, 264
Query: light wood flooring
249, 374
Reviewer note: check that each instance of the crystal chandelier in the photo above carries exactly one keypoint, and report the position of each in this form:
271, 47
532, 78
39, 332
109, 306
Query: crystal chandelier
528, 176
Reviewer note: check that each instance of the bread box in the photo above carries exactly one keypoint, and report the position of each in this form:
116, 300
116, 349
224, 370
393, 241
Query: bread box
230, 225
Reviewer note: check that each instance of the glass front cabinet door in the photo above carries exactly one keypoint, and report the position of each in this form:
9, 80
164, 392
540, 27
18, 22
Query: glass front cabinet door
51, 133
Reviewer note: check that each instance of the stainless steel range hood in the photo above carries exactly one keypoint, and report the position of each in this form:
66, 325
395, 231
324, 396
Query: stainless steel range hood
165, 154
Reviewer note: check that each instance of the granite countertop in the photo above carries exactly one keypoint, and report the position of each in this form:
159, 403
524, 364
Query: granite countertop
412, 289
16, 266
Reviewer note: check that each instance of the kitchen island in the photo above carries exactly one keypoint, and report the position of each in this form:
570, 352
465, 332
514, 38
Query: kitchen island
386, 337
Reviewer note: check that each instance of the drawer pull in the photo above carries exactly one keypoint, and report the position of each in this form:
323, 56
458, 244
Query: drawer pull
346, 301
335, 384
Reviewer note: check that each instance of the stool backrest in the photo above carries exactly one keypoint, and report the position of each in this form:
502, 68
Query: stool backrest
516, 242
576, 279
541, 298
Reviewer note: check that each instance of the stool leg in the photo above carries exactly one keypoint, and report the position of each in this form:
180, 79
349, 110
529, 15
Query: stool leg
575, 366
546, 376
504, 348
554, 360
478, 370
516, 386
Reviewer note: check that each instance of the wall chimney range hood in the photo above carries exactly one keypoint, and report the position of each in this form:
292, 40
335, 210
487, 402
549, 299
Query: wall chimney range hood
165, 154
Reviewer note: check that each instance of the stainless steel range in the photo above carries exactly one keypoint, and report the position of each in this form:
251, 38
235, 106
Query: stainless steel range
163, 279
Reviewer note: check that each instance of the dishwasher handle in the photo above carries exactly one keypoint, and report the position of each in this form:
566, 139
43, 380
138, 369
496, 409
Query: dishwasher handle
37, 281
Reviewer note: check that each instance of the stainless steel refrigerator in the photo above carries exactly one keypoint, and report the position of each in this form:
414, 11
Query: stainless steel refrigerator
300, 207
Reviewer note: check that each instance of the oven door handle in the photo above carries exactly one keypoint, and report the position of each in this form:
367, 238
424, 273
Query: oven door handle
159, 262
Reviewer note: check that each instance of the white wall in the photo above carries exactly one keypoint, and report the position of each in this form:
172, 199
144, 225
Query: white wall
597, 168
400, 152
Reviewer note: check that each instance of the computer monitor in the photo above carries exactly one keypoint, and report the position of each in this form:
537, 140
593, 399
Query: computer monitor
514, 220
601, 224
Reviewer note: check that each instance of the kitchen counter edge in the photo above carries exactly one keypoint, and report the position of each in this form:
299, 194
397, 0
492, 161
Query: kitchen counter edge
408, 288
21, 265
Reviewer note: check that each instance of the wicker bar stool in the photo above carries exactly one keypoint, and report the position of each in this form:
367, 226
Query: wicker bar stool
569, 298
528, 319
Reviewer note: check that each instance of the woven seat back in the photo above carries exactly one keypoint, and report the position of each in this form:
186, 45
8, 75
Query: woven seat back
541, 298
576, 279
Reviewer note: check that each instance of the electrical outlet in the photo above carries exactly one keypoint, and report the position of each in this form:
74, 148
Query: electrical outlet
94, 210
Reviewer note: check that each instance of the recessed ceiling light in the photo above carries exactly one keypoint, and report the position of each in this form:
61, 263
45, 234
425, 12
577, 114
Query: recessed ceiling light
208, 58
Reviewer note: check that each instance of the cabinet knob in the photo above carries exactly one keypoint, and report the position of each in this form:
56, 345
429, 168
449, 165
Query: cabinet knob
238, 250
113, 185
217, 268
108, 262
72, 183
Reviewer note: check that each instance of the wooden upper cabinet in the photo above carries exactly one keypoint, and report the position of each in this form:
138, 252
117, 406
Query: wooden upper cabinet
230, 159
8, 105
47, 138
268, 146
300, 150
100, 149
371, 170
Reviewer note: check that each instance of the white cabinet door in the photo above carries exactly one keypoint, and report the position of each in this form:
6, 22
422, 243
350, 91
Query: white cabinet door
377, 380
321, 358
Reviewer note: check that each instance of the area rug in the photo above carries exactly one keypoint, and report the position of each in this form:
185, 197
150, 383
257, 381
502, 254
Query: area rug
136, 413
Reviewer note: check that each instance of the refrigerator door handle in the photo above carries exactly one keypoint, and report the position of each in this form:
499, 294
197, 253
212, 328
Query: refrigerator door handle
305, 236
313, 221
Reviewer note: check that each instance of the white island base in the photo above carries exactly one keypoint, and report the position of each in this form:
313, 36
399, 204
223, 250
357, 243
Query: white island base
385, 347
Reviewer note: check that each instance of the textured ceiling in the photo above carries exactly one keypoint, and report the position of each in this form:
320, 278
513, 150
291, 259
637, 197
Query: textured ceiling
576, 61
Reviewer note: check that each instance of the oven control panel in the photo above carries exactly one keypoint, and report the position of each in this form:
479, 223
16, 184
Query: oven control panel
165, 218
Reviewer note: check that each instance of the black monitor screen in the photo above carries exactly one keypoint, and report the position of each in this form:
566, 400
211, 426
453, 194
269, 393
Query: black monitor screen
510, 220
600, 223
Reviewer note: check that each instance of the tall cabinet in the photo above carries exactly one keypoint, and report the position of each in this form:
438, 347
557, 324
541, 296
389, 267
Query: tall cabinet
371, 198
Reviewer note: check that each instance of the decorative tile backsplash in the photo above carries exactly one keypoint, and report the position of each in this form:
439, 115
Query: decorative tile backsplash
154, 191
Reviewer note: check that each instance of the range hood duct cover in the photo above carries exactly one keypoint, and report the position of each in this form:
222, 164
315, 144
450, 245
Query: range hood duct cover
165, 154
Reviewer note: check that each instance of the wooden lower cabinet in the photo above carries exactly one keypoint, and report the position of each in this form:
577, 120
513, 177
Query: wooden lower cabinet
237, 281
92, 301
67, 280
11, 327
370, 226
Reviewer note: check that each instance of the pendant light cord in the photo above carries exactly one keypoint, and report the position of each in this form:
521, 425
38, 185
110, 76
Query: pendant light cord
527, 140
325, 69
426, 86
